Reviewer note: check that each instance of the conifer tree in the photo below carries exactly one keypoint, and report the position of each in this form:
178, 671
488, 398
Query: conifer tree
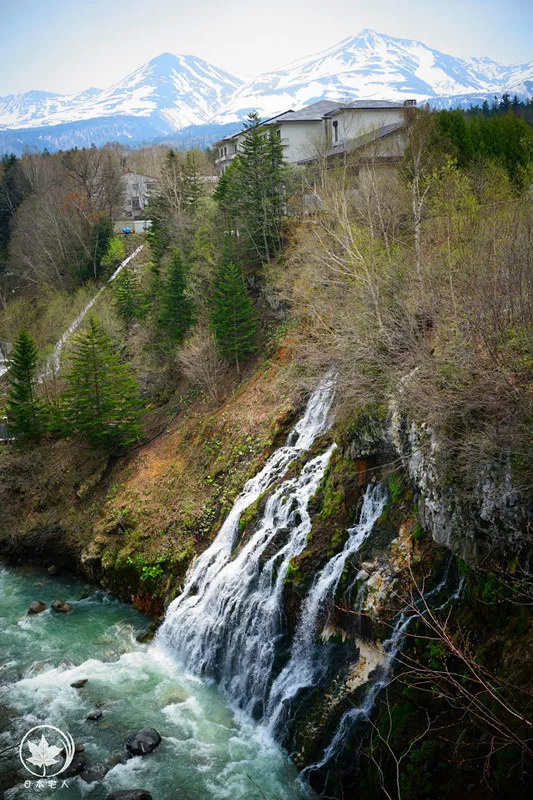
102, 401
22, 401
177, 314
129, 301
254, 188
193, 189
233, 318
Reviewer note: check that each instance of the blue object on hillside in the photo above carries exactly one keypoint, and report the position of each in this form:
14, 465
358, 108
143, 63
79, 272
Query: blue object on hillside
127, 230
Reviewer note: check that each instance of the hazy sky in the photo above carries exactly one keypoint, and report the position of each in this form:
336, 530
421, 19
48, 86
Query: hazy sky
69, 45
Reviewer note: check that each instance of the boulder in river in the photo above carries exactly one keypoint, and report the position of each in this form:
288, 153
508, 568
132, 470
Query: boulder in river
61, 607
80, 683
145, 636
77, 765
130, 794
95, 716
36, 607
95, 773
143, 742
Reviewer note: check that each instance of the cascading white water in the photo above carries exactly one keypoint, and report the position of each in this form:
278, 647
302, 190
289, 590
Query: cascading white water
304, 667
227, 621
391, 648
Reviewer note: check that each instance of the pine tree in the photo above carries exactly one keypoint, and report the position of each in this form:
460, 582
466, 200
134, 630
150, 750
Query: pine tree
102, 401
254, 190
233, 318
129, 300
193, 189
115, 253
177, 314
23, 405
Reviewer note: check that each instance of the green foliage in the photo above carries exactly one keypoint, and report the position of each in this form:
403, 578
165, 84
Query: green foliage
13, 189
176, 313
395, 488
102, 401
193, 188
233, 318
115, 253
505, 138
101, 236
129, 299
252, 192
23, 405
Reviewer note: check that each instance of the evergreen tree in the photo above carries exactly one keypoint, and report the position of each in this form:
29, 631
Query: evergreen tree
233, 319
101, 235
193, 189
254, 190
176, 315
22, 403
102, 401
129, 300
115, 253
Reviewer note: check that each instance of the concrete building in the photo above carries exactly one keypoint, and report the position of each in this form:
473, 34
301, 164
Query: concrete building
136, 191
329, 128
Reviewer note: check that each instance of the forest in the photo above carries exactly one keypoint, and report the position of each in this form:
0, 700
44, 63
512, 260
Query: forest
411, 285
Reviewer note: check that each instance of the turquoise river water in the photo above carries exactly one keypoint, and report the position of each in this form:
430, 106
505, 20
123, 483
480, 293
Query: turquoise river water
208, 751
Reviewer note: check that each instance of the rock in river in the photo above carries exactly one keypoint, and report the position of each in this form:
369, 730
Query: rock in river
61, 607
80, 683
37, 607
130, 794
143, 742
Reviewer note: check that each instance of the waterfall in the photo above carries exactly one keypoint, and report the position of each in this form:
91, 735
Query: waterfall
391, 648
304, 667
227, 623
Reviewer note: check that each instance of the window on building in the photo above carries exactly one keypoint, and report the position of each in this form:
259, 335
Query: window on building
135, 187
335, 130
278, 133
135, 203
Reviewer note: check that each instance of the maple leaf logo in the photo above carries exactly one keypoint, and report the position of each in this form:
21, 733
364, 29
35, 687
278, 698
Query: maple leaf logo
43, 754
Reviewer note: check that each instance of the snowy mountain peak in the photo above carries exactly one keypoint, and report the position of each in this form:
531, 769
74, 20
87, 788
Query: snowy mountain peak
374, 65
175, 91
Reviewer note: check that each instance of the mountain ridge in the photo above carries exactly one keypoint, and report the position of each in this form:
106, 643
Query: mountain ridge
180, 92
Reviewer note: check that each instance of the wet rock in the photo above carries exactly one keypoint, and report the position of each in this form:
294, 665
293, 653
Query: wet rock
143, 742
61, 607
130, 794
78, 764
36, 607
145, 636
95, 716
95, 773
52, 569
79, 684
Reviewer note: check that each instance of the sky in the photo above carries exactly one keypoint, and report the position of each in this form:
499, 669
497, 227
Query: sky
67, 46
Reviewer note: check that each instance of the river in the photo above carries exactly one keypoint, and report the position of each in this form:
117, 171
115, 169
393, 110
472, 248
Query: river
209, 751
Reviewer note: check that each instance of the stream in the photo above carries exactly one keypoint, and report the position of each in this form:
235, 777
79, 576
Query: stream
208, 750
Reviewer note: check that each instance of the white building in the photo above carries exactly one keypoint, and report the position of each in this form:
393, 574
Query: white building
330, 128
136, 192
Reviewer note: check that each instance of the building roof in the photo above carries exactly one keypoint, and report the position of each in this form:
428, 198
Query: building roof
313, 113
367, 105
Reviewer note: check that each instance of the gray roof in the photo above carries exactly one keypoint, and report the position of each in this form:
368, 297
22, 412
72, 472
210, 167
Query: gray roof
363, 104
314, 112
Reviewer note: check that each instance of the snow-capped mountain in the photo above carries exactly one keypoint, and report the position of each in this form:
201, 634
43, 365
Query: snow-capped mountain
181, 90
173, 93
373, 65
20, 110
